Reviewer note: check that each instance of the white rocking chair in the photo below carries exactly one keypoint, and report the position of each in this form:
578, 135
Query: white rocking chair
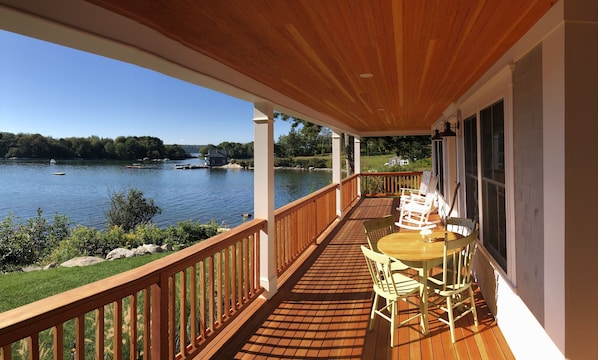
415, 214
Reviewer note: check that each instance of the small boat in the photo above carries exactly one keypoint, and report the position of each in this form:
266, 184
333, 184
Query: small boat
58, 173
134, 166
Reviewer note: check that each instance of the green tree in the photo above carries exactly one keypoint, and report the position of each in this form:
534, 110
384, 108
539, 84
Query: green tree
130, 209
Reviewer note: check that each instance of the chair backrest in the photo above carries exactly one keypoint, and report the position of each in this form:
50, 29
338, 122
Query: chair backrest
424, 183
458, 225
431, 193
379, 268
376, 228
458, 261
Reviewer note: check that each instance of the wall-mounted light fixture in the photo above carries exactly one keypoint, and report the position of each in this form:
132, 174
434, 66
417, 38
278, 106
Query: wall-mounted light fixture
436, 135
447, 127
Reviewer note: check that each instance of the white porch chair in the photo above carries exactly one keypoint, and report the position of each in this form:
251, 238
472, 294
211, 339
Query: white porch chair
419, 195
415, 215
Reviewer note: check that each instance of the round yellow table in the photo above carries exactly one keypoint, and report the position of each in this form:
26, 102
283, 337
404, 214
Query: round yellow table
413, 251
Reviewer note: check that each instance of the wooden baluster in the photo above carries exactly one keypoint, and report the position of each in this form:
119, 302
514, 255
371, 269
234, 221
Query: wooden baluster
58, 341
99, 333
132, 328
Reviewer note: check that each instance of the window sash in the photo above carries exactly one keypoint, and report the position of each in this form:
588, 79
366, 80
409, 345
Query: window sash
493, 181
470, 140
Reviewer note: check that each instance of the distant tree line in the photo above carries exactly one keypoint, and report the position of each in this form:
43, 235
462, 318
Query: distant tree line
307, 139
304, 139
93, 147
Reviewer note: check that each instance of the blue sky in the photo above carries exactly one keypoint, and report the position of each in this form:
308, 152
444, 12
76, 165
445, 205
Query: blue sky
61, 92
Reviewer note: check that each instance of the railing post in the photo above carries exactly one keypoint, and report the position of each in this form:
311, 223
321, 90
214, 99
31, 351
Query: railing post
337, 172
159, 325
357, 160
263, 193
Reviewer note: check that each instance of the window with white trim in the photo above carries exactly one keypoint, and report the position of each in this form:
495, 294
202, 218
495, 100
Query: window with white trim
470, 142
492, 156
438, 165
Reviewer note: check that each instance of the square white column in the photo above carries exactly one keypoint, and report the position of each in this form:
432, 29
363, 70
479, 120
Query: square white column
337, 171
263, 192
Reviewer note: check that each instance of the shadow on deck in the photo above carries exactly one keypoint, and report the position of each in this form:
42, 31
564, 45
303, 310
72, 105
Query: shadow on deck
322, 311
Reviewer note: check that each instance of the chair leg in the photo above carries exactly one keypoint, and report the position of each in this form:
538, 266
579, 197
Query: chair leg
373, 312
449, 307
473, 309
393, 322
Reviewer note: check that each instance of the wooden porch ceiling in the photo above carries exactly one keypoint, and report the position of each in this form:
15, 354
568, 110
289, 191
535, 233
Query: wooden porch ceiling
311, 58
423, 55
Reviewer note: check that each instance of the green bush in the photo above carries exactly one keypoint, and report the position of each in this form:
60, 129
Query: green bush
83, 241
187, 233
150, 234
283, 162
26, 243
131, 209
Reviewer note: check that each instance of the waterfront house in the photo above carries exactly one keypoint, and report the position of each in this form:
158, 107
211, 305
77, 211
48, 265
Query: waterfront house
510, 84
216, 157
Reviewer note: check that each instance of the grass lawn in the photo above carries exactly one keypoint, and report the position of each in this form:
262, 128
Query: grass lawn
20, 288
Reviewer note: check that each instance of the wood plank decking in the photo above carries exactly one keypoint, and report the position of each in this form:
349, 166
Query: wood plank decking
322, 311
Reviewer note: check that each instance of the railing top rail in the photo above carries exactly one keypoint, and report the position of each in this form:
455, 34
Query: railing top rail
350, 177
22, 321
303, 200
395, 173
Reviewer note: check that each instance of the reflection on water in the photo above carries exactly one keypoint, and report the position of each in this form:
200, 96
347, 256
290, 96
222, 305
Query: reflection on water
83, 192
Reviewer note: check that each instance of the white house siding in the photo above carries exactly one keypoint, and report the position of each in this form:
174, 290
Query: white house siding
528, 180
529, 294
544, 302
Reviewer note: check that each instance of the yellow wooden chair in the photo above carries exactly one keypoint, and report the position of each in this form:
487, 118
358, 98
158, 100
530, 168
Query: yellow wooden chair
392, 286
375, 229
454, 284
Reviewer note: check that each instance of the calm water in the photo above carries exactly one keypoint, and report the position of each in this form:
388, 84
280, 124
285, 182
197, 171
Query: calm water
83, 193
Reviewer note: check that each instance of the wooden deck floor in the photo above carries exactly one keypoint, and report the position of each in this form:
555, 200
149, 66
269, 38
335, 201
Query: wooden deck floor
322, 312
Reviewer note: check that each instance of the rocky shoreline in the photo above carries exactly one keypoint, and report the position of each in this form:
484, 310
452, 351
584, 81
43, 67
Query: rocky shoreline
118, 253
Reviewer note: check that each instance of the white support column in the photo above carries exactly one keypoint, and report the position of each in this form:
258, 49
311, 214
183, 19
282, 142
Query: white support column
337, 171
263, 192
357, 159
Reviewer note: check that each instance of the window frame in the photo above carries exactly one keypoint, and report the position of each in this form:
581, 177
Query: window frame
499, 87
438, 165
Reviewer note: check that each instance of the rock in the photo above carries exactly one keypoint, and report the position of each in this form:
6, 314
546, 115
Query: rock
31, 268
50, 266
141, 250
120, 253
151, 248
82, 261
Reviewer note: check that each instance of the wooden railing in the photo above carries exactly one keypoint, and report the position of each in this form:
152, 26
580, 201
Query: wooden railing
388, 183
299, 224
169, 308
349, 191
174, 307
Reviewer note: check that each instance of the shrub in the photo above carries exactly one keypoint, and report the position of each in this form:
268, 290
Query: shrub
186, 233
81, 242
130, 210
27, 243
150, 234
283, 162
